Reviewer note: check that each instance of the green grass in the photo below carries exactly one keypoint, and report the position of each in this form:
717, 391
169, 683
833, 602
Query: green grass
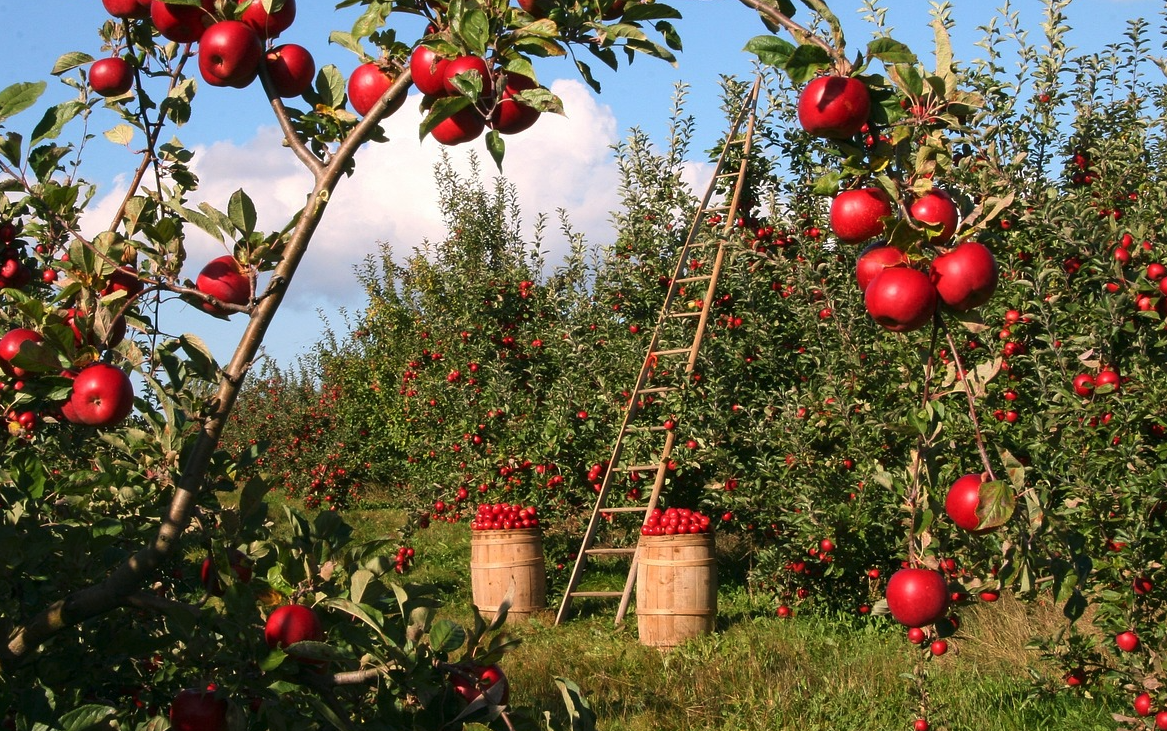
760, 672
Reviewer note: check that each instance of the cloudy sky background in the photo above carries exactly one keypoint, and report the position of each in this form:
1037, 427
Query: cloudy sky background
562, 162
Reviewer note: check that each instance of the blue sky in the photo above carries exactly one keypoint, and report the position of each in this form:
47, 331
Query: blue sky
558, 163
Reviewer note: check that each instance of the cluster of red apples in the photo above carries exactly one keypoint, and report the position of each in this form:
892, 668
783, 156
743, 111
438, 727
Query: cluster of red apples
504, 516
898, 293
675, 521
230, 49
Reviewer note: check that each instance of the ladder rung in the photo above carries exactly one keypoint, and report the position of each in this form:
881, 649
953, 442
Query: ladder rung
657, 389
610, 551
641, 429
603, 594
715, 209
624, 510
674, 351
638, 467
698, 278
685, 314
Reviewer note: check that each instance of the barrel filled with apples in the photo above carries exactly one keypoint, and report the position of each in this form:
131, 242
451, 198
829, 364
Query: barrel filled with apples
506, 549
676, 578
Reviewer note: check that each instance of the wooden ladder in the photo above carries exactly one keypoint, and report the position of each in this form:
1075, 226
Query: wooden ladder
731, 169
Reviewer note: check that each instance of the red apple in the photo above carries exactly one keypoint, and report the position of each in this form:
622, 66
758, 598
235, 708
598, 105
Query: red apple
473, 681
428, 70
198, 710
901, 299
182, 23
290, 624
509, 116
462, 126
856, 214
291, 69
1161, 720
102, 396
229, 54
834, 106
463, 65
224, 280
111, 76
537, 8
936, 208
1127, 641
10, 346
1084, 384
962, 501
367, 85
875, 259
269, 26
939, 647
124, 279
917, 597
1142, 585
966, 276
128, 9
1143, 704
1107, 377
210, 577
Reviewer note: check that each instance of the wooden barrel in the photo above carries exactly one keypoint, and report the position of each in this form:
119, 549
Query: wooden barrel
500, 558
676, 588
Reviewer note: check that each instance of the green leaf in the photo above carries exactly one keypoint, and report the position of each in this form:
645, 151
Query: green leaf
806, 61
447, 636
241, 211
330, 86
45, 160
347, 41
996, 503
649, 11
123, 134
586, 72
251, 498
201, 359
55, 118
20, 96
475, 31
890, 51
496, 146
86, 717
770, 50
11, 146
578, 711
70, 61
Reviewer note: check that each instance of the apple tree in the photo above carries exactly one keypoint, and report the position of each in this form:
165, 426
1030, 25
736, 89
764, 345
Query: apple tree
132, 588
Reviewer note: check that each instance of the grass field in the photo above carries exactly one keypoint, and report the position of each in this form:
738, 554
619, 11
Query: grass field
761, 672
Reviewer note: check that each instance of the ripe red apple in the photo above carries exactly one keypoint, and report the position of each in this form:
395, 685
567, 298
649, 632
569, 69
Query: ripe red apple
291, 69
1084, 384
966, 276
463, 125
1127, 641
129, 9
224, 280
939, 647
182, 23
537, 8
290, 624
465, 64
472, 681
509, 116
901, 299
428, 70
856, 214
875, 259
111, 76
102, 396
917, 597
962, 501
1142, 585
198, 710
269, 26
367, 85
936, 208
921, 724
1161, 720
834, 106
229, 54
1143, 704
1109, 378
124, 279
10, 346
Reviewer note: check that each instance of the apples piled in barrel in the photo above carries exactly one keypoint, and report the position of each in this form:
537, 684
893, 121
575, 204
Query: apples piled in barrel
675, 521
902, 289
504, 516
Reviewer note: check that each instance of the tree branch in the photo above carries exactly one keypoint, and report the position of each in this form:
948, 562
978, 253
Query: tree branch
801, 34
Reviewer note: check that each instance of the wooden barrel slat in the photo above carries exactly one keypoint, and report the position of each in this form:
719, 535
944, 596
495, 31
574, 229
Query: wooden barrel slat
500, 558
676, 588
